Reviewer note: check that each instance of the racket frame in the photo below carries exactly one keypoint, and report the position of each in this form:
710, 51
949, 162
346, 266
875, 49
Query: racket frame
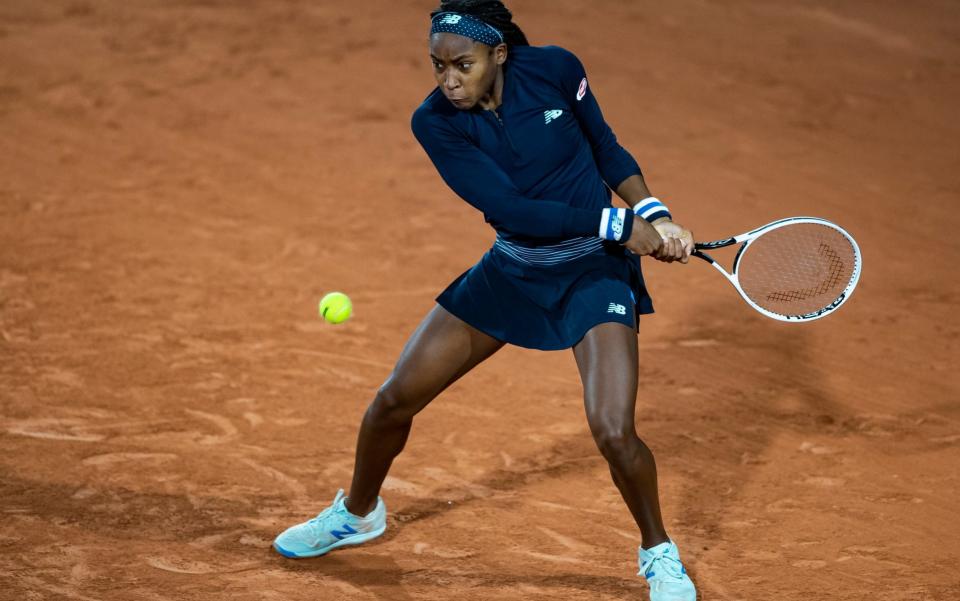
748, 237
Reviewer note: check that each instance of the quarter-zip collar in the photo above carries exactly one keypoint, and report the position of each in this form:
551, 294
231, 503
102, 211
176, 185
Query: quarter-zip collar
497, 113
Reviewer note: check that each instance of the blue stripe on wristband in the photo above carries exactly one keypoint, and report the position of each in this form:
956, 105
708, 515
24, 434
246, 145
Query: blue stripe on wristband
616, 224
662, 213
651, 209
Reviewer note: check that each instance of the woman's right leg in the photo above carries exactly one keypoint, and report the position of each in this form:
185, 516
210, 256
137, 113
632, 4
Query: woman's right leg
440, 351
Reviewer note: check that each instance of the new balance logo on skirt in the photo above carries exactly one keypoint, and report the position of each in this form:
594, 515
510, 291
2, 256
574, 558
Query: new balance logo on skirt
618, 309
549, 116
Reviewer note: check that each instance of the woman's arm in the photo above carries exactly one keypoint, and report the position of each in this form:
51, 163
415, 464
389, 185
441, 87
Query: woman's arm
619, 169
633, 190
614, 163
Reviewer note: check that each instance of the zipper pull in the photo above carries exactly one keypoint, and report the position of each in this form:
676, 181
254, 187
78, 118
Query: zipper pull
506, 134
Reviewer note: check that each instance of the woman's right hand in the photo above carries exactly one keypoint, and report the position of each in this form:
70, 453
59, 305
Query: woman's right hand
644, 239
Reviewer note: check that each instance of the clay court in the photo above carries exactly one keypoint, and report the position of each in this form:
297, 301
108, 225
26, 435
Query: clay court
181, 182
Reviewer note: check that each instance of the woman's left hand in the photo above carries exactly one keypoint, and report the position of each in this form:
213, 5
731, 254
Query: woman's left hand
677, 242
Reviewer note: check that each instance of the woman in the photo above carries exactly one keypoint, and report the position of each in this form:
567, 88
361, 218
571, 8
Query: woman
517, 133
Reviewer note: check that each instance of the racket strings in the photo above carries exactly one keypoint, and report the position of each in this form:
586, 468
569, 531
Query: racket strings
835, 275
797, 269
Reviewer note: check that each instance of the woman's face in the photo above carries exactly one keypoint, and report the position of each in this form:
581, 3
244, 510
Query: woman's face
465, 69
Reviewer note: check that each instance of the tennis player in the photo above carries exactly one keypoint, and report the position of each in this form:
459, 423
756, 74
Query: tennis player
516, 131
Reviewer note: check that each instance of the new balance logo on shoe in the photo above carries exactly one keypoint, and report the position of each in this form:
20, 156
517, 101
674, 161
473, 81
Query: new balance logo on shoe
618, 309
340, 534
549, 116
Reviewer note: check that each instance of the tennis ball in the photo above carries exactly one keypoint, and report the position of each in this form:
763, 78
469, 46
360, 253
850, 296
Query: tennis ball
336, 307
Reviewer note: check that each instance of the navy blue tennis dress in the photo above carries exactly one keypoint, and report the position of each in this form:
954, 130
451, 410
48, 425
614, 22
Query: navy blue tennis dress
540, 168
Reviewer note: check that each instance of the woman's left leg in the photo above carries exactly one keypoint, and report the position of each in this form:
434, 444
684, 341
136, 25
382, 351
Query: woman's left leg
607, 360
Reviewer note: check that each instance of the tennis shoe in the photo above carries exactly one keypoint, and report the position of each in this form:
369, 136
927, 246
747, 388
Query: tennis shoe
332, 528
665, 574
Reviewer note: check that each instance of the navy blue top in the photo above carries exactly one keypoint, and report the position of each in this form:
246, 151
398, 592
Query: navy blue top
542, 165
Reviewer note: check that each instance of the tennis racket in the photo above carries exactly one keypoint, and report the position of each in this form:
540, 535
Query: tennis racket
796, 269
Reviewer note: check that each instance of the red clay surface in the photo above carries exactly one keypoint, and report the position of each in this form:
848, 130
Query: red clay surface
181, 181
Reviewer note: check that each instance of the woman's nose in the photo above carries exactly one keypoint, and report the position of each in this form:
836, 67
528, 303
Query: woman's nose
450, 80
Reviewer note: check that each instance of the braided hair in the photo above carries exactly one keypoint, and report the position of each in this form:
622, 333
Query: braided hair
491, 12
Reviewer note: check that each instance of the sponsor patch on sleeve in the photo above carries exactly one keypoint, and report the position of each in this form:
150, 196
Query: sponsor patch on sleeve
582, 90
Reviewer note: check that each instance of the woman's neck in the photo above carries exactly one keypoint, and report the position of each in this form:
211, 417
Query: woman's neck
494, 98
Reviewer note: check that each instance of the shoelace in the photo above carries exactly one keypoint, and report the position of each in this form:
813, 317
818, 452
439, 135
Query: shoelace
664, 564
318, 524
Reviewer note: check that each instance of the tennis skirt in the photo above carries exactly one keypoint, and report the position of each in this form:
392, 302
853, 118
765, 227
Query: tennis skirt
549, 307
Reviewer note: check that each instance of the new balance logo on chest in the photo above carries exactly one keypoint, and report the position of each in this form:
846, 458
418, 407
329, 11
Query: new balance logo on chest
549, 116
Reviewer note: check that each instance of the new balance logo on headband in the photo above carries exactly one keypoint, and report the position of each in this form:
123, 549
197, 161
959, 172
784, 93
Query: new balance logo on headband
549, 116
467, 26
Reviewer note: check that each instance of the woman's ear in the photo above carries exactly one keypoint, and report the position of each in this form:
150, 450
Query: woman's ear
500, 54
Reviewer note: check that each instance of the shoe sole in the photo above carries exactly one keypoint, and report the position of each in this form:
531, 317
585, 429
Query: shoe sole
353, 540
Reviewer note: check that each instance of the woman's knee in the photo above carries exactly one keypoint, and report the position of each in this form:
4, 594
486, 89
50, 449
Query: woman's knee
393, 405
620, 445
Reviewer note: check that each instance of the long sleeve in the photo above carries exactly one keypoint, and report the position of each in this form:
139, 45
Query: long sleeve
477, 178
613, 161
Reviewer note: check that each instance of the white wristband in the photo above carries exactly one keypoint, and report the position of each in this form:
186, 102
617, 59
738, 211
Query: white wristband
651, 209
614, 224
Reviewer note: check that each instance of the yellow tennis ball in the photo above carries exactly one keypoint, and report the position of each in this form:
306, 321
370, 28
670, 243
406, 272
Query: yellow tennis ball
336, 307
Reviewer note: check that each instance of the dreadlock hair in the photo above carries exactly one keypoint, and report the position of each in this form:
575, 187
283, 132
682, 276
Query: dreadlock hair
491, 12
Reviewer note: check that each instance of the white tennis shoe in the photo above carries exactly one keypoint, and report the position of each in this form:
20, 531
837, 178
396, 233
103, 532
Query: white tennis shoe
664, 571
334, 527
